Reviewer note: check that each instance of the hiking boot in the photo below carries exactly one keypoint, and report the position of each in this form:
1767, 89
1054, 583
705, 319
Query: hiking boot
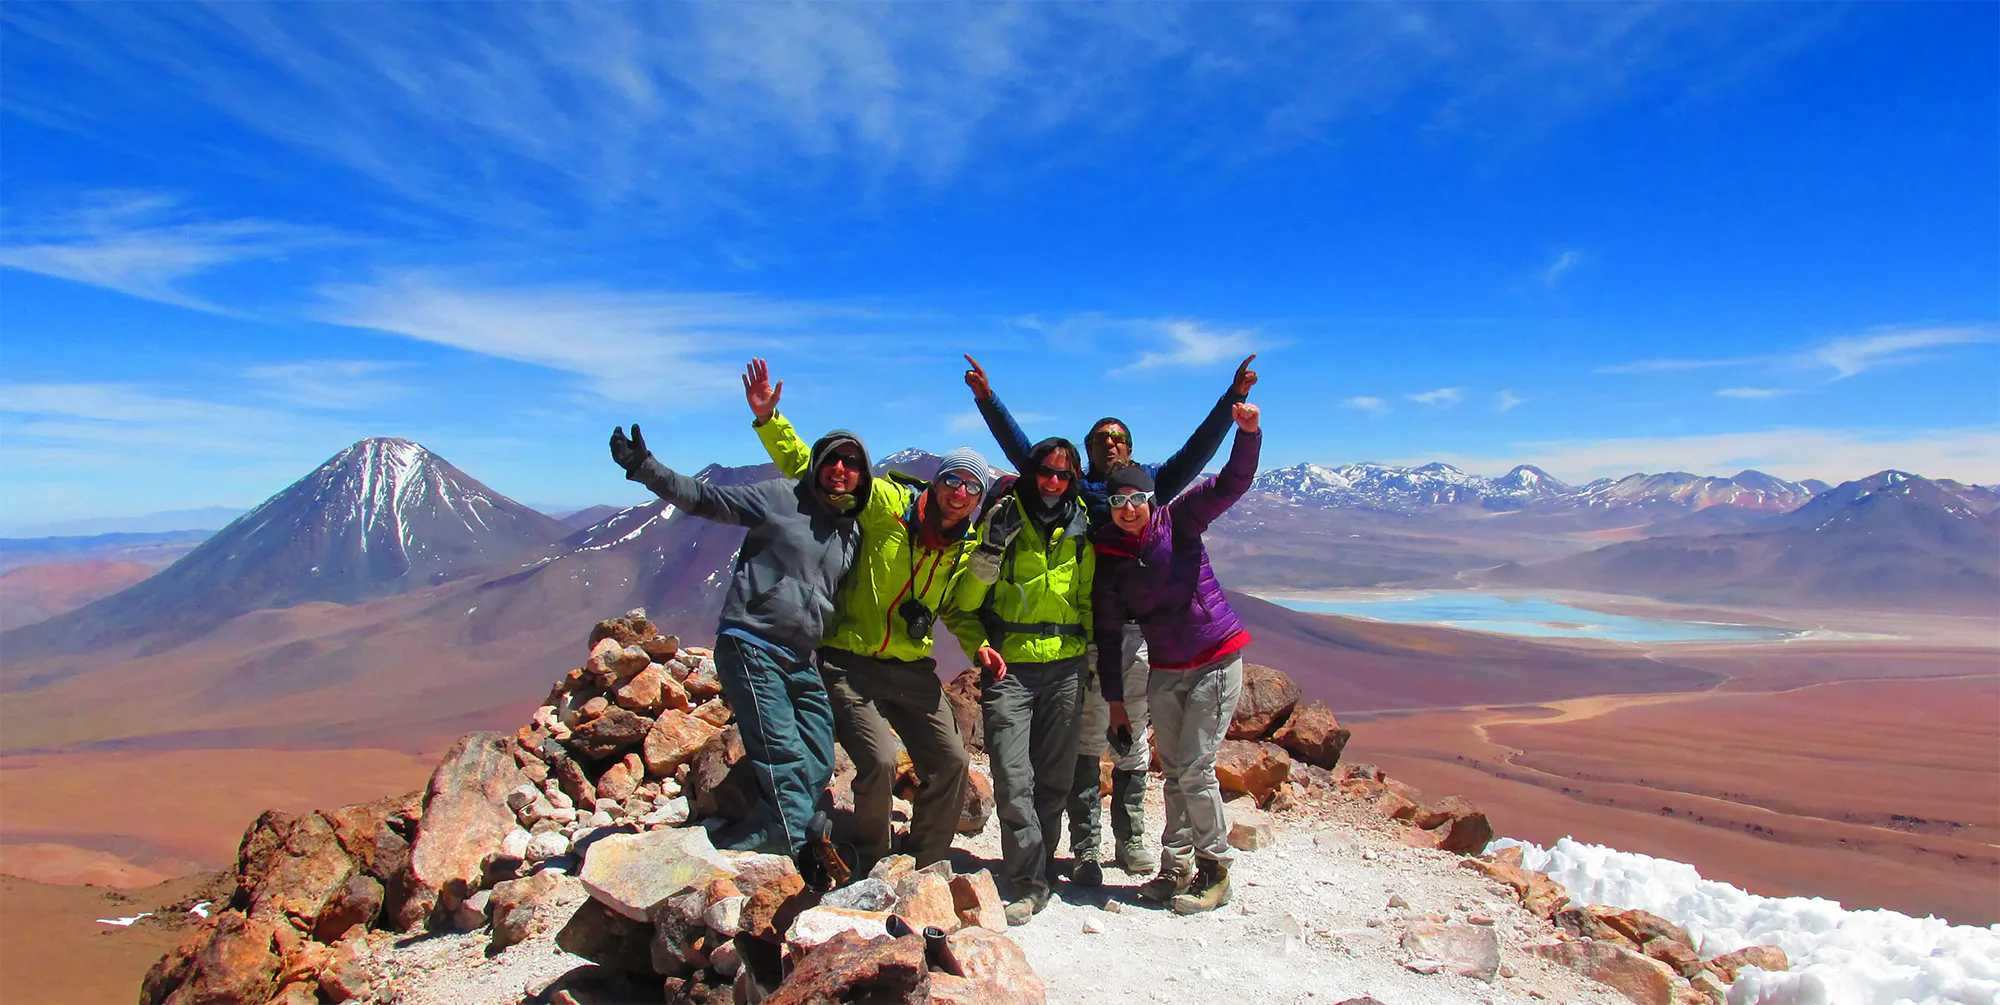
1174, 878
1209, 890
1128, 821
1021, 910
824, 864
1087, 873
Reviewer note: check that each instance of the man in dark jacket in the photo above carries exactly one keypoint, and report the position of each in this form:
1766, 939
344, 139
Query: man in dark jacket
801, 540
1109, 447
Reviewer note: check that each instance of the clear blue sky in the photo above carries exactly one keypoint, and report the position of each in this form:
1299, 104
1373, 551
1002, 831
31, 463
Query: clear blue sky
1599, 238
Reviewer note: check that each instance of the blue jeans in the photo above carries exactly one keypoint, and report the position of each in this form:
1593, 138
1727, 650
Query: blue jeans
786, 720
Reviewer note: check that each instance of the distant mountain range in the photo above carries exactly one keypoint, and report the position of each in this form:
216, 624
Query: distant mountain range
1388, 488
1892, 539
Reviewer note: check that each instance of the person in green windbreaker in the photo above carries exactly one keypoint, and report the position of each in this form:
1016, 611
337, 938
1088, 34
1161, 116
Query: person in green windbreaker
876, 654
1022, 612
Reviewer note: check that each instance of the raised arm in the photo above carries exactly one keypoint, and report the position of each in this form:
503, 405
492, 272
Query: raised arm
1180, 470
999, 421
743, 505
787, 448
1206, 502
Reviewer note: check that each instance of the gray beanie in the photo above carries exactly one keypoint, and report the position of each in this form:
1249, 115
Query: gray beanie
968, 463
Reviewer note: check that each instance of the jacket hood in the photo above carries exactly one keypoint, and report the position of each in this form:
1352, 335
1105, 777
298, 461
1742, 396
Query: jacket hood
823, 448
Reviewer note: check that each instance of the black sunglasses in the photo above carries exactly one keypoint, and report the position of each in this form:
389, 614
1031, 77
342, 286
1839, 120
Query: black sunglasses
1061, 474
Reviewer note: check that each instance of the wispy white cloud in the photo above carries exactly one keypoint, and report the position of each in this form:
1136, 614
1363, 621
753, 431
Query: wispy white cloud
1375, 406
1679, 365
1443, 397
146, 245
1971, 454
629, 344
568, 112
1752, 392
1505, 401
1191, 343
327, 383
1845, 356
1563, 263
1856, 354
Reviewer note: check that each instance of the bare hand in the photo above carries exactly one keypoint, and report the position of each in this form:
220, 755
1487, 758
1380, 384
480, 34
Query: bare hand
757, 390
1246, 378
975, 378
1246, 416
989, 658
1119, 720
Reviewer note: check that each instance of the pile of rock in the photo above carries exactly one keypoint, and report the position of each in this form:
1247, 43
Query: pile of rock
1275, 747
609, 784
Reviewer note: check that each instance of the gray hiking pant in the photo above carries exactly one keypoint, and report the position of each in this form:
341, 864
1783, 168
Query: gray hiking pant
1191, 712
1096, 713
874, 702
1031, 718
1086, 798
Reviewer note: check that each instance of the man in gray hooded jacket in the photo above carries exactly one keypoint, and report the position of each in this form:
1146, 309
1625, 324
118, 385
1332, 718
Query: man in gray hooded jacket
801, 540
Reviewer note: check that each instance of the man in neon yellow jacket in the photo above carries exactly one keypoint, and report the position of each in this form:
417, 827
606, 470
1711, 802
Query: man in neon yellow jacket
1022, 612
876, 653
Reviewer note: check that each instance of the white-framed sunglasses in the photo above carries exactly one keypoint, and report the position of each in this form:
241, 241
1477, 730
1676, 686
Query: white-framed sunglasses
1120, 500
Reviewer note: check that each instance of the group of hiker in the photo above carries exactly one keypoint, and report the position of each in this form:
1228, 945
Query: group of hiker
1081, 591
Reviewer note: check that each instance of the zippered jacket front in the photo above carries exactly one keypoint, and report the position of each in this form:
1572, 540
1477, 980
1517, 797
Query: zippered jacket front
1161, 577
890, 567
1039, 610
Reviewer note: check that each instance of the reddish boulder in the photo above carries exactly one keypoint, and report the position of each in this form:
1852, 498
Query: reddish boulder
987, 968
962, 694
722, 782
1542, 896
237, 960
358, 902
979, 804
673, 741
772, 907
1646, 981
610, 734
1268, 698
290, 867
1464, 829
1642, 927
1313, 735
850, 968
465, 819
1254, 769
1762, 957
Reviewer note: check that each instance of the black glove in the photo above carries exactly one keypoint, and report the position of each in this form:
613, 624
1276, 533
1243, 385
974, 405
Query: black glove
629, 454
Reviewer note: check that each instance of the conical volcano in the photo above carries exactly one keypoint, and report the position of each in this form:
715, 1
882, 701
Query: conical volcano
381, 517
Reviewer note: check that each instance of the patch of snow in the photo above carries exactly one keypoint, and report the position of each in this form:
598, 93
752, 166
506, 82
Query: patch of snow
1839, 957
200, 909
124, 922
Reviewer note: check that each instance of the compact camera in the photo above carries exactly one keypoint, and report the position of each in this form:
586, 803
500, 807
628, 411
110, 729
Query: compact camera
917, 619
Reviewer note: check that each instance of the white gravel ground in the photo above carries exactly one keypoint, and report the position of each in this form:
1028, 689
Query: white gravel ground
1310, 922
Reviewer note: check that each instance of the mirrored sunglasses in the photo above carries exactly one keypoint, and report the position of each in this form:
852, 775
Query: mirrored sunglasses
958, 482
1120, 500
1114, 435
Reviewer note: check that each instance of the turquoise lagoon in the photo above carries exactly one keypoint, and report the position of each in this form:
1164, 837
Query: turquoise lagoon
1534, 616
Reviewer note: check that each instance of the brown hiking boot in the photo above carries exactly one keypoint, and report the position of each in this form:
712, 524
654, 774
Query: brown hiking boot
1209, 890
1173, 878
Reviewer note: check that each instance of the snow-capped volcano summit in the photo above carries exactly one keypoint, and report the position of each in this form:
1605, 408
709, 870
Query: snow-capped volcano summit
381, 517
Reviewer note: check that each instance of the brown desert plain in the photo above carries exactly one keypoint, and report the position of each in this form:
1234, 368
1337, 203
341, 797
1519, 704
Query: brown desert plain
1858, 761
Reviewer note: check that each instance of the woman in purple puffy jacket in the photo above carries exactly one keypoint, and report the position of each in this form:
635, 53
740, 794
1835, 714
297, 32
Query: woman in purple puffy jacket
1152, 567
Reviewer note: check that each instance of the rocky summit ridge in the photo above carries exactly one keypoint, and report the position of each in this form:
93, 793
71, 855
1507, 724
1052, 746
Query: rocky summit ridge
570, 862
